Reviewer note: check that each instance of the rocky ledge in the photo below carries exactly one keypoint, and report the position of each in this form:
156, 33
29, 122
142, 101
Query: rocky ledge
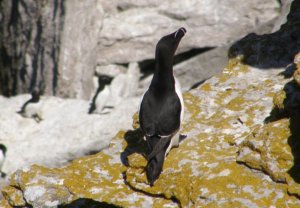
241, 151
242, 147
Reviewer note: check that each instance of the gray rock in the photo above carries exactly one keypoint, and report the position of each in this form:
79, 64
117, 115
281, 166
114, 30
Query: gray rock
132, 80
195, 70
77, 58
49, 45
110, 70
281, 19
56, 45
30, 45
201, 67
124, 85
131, 34
66, 131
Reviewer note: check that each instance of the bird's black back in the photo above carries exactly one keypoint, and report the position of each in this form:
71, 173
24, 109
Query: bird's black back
160, 113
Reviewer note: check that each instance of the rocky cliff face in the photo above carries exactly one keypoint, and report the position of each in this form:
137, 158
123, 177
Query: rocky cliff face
56, 46
231, 156
242, 145
38, 47
65, 131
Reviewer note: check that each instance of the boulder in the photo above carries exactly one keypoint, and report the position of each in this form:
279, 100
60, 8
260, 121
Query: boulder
55, 46
210, 168
126, 29
78, 46
242, 146
196, 70
110, 70
65, 132
124, 85
49, 45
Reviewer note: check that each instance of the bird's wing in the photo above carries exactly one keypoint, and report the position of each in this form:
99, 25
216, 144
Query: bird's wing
160, 117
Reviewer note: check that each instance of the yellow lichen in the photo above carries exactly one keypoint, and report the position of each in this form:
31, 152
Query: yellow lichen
5, 204
135, 121
236, 104
233, 68
203, 171
271, 151
278, 99
13, 196
297, 74
206, 87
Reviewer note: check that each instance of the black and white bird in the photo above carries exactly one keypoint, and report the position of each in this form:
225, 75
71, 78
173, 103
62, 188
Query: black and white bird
161, 110
3, 150
32, 107
102, 94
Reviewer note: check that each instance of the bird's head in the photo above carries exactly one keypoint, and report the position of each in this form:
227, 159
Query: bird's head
167, 45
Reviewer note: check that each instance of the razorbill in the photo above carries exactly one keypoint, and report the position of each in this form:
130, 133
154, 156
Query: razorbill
161, 109
32, 107
102, 94
3, 150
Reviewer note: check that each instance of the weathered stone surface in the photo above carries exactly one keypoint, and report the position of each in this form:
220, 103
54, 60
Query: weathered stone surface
242, 148
126, 29
199, 68
56, 46
267, 149
110, 70
225, 110
124, 85
30, 45
284, 10
277, 49
49, 45
101, 178
225, 121
78, 57
297, 71
65, 132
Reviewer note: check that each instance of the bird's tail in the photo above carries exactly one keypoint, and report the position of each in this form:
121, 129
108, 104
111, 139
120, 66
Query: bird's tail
158, 144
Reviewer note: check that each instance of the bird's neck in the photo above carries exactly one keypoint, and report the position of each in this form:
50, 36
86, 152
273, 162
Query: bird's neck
163, 78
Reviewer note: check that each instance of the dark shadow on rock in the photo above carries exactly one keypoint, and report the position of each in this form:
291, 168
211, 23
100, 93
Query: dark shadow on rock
23, 42
289, 71
292, 106
294, 142
135, 144
147, 66
291, 110
197, 84
88, 203
275, 50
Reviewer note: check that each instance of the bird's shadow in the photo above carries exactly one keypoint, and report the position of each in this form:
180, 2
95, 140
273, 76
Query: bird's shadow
135, 144
291, 111
85, 202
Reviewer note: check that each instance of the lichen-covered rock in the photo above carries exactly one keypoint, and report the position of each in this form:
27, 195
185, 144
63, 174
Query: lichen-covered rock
222, 115
98, 177
267, 149
242, 147
297, 72
230, 158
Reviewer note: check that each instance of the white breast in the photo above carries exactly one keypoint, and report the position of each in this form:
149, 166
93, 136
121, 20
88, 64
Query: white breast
179, 94
102, 99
